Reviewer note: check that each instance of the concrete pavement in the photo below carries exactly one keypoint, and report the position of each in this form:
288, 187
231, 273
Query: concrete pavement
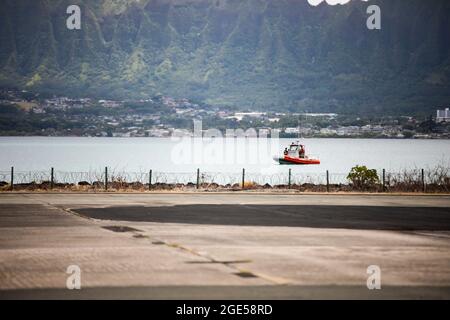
240, 245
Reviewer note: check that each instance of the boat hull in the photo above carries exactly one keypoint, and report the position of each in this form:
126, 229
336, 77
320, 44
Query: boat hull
298, 161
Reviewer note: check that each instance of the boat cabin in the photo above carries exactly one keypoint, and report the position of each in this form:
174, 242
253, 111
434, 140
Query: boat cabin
294, 150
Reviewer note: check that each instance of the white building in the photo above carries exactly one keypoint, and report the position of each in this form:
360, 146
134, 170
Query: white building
328, 131
240, 115
443, 115
291, 131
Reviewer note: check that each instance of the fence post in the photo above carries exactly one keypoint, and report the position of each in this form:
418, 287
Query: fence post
384, 180
52, 175
423, 181
328, 181
12, 178
198, 178
243, 179
150, 180
106, 178
289, 178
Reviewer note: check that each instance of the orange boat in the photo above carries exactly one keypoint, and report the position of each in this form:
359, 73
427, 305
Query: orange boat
295, 156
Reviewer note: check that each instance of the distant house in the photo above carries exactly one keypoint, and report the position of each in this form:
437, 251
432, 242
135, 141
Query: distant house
291, 130
264, 132
240, 115
443, 115
328, 131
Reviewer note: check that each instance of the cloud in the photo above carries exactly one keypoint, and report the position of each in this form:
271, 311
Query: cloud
330, 2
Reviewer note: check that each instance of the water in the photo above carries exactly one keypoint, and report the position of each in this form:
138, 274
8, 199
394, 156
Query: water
185, 155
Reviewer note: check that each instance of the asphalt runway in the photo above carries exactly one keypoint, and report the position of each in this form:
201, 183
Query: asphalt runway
305, 216
224, 246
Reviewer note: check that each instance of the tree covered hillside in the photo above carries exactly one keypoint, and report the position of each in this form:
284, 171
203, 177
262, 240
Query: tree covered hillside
272, 54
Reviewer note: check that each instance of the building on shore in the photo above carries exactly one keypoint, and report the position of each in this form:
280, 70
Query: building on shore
443, 115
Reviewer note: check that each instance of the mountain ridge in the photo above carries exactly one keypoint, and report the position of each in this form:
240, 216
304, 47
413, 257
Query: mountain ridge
268, 54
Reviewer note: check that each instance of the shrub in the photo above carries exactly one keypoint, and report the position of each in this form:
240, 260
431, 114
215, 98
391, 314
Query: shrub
250, 185
363, 178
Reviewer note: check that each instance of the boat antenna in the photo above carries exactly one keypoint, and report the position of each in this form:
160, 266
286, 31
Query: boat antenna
300, 137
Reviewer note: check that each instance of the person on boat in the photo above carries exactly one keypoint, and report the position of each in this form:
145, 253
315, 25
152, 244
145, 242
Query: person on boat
286, 152
302, 151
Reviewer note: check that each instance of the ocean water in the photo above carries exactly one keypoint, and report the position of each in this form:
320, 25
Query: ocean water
215, 155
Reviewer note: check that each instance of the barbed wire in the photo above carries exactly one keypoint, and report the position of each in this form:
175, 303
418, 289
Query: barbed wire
413, 179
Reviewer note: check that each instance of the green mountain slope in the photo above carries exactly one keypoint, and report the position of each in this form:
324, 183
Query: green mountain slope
278, 54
